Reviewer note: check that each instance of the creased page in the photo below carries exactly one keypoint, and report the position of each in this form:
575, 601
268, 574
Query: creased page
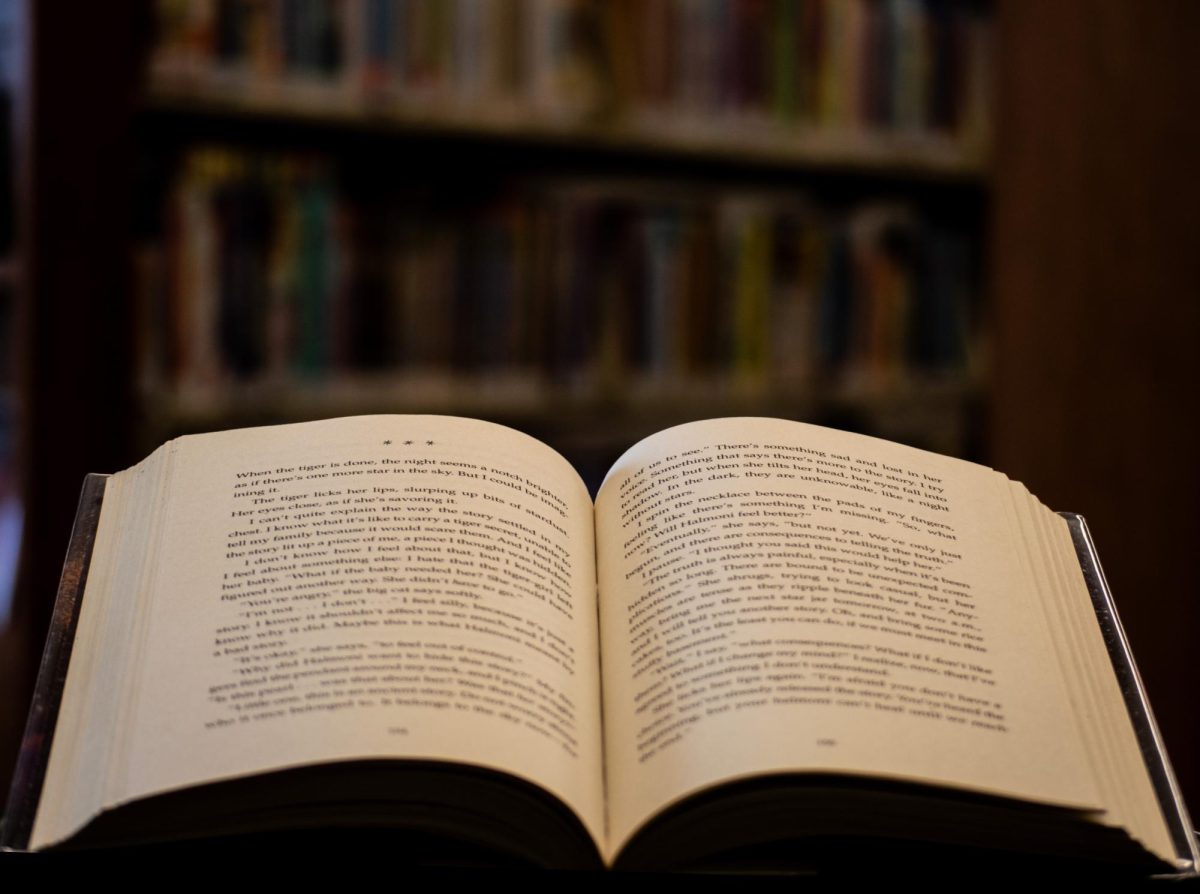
776, 596
371, 587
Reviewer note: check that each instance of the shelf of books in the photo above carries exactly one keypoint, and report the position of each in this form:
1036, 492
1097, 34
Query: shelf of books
890, 85
588, 305
276, 292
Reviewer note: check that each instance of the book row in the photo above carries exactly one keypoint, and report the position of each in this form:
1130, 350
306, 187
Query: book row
907, 65
271, 268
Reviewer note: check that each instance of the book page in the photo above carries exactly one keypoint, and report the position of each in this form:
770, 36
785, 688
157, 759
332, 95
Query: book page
373, 587
780, 597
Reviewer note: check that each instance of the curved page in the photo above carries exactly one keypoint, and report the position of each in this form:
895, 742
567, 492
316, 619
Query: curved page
777, 596
373, 587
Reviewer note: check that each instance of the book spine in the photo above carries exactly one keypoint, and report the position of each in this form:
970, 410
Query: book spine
274, 270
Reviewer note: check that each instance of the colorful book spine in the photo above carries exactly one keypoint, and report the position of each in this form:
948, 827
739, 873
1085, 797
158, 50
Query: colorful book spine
913, 66
275, 269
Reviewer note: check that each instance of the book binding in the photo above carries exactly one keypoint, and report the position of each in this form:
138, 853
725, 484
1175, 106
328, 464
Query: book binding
34, 755
1154, 752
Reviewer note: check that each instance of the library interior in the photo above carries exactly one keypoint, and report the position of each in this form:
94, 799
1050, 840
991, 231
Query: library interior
964, 225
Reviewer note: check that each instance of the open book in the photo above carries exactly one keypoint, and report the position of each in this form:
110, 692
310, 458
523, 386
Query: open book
763, 634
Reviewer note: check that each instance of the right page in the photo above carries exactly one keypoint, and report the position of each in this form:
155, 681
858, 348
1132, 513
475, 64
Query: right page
777, 596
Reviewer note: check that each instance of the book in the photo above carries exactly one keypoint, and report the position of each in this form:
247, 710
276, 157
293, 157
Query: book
762, 637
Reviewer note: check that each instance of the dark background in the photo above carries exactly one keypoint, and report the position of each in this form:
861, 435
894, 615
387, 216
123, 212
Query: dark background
1085, 216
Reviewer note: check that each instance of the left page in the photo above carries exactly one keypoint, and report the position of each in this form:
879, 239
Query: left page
372, 587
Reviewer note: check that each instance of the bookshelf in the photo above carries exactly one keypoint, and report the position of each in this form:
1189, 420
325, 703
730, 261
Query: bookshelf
915, 153
517, 212
875, 82
103, 154
1062, 228
1085, 197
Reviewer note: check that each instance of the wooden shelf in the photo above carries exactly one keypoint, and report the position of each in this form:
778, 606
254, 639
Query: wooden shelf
585, 414
740, 140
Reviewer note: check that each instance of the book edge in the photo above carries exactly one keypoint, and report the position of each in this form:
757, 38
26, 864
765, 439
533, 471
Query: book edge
1137, 704
34, 755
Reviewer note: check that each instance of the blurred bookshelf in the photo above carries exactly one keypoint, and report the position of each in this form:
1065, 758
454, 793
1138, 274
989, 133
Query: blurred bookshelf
891, 84
589, 220
1078, 196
